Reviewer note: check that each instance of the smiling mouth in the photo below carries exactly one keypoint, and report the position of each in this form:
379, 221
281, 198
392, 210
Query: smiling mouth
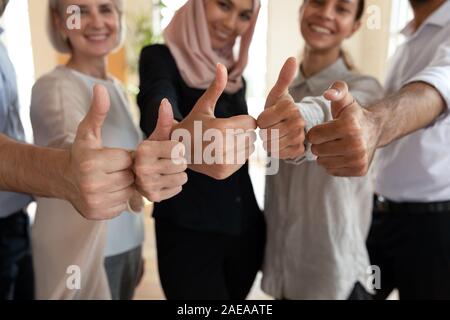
321, 30
97, 37
223, 36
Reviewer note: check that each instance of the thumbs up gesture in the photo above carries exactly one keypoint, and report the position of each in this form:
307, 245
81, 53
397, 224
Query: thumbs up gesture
281, 114
159, 163
345, 146
101, 180
234, 137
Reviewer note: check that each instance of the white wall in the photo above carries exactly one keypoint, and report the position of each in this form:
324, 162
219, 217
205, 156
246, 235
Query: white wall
17, 39
370, 46
283, 38
45, 58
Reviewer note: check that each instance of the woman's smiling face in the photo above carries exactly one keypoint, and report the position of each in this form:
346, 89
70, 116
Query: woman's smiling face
325, 24
227, 20
100, 27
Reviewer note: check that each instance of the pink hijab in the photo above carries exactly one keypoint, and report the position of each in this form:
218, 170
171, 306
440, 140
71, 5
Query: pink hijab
188, 39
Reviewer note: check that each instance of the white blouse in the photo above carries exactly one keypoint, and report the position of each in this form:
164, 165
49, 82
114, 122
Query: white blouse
61, 237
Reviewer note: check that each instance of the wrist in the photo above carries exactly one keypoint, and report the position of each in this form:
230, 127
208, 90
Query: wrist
376, 120
63, 186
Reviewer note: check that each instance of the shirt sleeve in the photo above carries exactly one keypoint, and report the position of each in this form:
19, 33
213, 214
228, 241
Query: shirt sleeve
317, 110
158, 80
3, 105
437, 73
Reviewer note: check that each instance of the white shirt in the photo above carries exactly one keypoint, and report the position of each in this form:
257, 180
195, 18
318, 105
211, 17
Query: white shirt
416, 168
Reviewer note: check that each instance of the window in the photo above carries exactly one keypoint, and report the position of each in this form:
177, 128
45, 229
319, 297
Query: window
401, 14
17, 39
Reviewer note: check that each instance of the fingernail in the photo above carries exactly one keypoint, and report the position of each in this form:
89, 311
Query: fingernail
335, 92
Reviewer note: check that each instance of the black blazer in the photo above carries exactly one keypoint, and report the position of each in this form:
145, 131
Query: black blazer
205, 204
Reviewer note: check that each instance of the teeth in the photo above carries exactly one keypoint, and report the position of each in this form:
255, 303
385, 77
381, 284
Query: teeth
97, 38
222, 35
321, 30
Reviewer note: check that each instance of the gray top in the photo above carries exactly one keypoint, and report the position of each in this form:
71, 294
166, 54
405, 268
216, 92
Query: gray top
318, 224
10, 125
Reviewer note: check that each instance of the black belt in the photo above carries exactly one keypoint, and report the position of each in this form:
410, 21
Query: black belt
382, 204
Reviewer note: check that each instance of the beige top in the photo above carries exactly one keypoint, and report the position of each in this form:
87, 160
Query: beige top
317, 224
64, 243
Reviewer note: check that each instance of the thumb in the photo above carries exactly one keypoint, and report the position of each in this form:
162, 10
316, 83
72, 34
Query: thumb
207, 103
165, 122
287, 75
90, 129
340, 98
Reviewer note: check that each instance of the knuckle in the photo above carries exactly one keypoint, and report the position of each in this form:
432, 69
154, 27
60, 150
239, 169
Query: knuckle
155, 197
90, 214
353, 124
93, 202
221, 174
141, 170
359, 164
358, 145
184, 178
88, 165
142, 148
360, 172
145, 170
88, 186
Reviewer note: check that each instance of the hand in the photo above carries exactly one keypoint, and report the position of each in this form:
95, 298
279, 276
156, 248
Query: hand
100, 180
233, 147
282, 114
346, 145
160, 163
136, 202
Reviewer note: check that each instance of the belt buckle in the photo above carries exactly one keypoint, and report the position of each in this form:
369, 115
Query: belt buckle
381, 204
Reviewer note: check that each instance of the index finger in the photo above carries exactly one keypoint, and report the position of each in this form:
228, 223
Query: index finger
244, 122
325, 132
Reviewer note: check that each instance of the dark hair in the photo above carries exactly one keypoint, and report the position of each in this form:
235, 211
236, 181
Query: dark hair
360, 10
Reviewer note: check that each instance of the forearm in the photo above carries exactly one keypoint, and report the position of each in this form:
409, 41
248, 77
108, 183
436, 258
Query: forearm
33, 170
413, 108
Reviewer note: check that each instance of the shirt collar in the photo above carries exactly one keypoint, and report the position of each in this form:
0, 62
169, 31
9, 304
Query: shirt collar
440, 18
320, 81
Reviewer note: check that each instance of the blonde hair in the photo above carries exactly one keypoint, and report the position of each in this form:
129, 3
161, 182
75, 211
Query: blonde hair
62, 44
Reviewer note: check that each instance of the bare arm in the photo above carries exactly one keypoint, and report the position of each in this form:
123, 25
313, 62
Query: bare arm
412, 108
33, 170
345, 146
97, 181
